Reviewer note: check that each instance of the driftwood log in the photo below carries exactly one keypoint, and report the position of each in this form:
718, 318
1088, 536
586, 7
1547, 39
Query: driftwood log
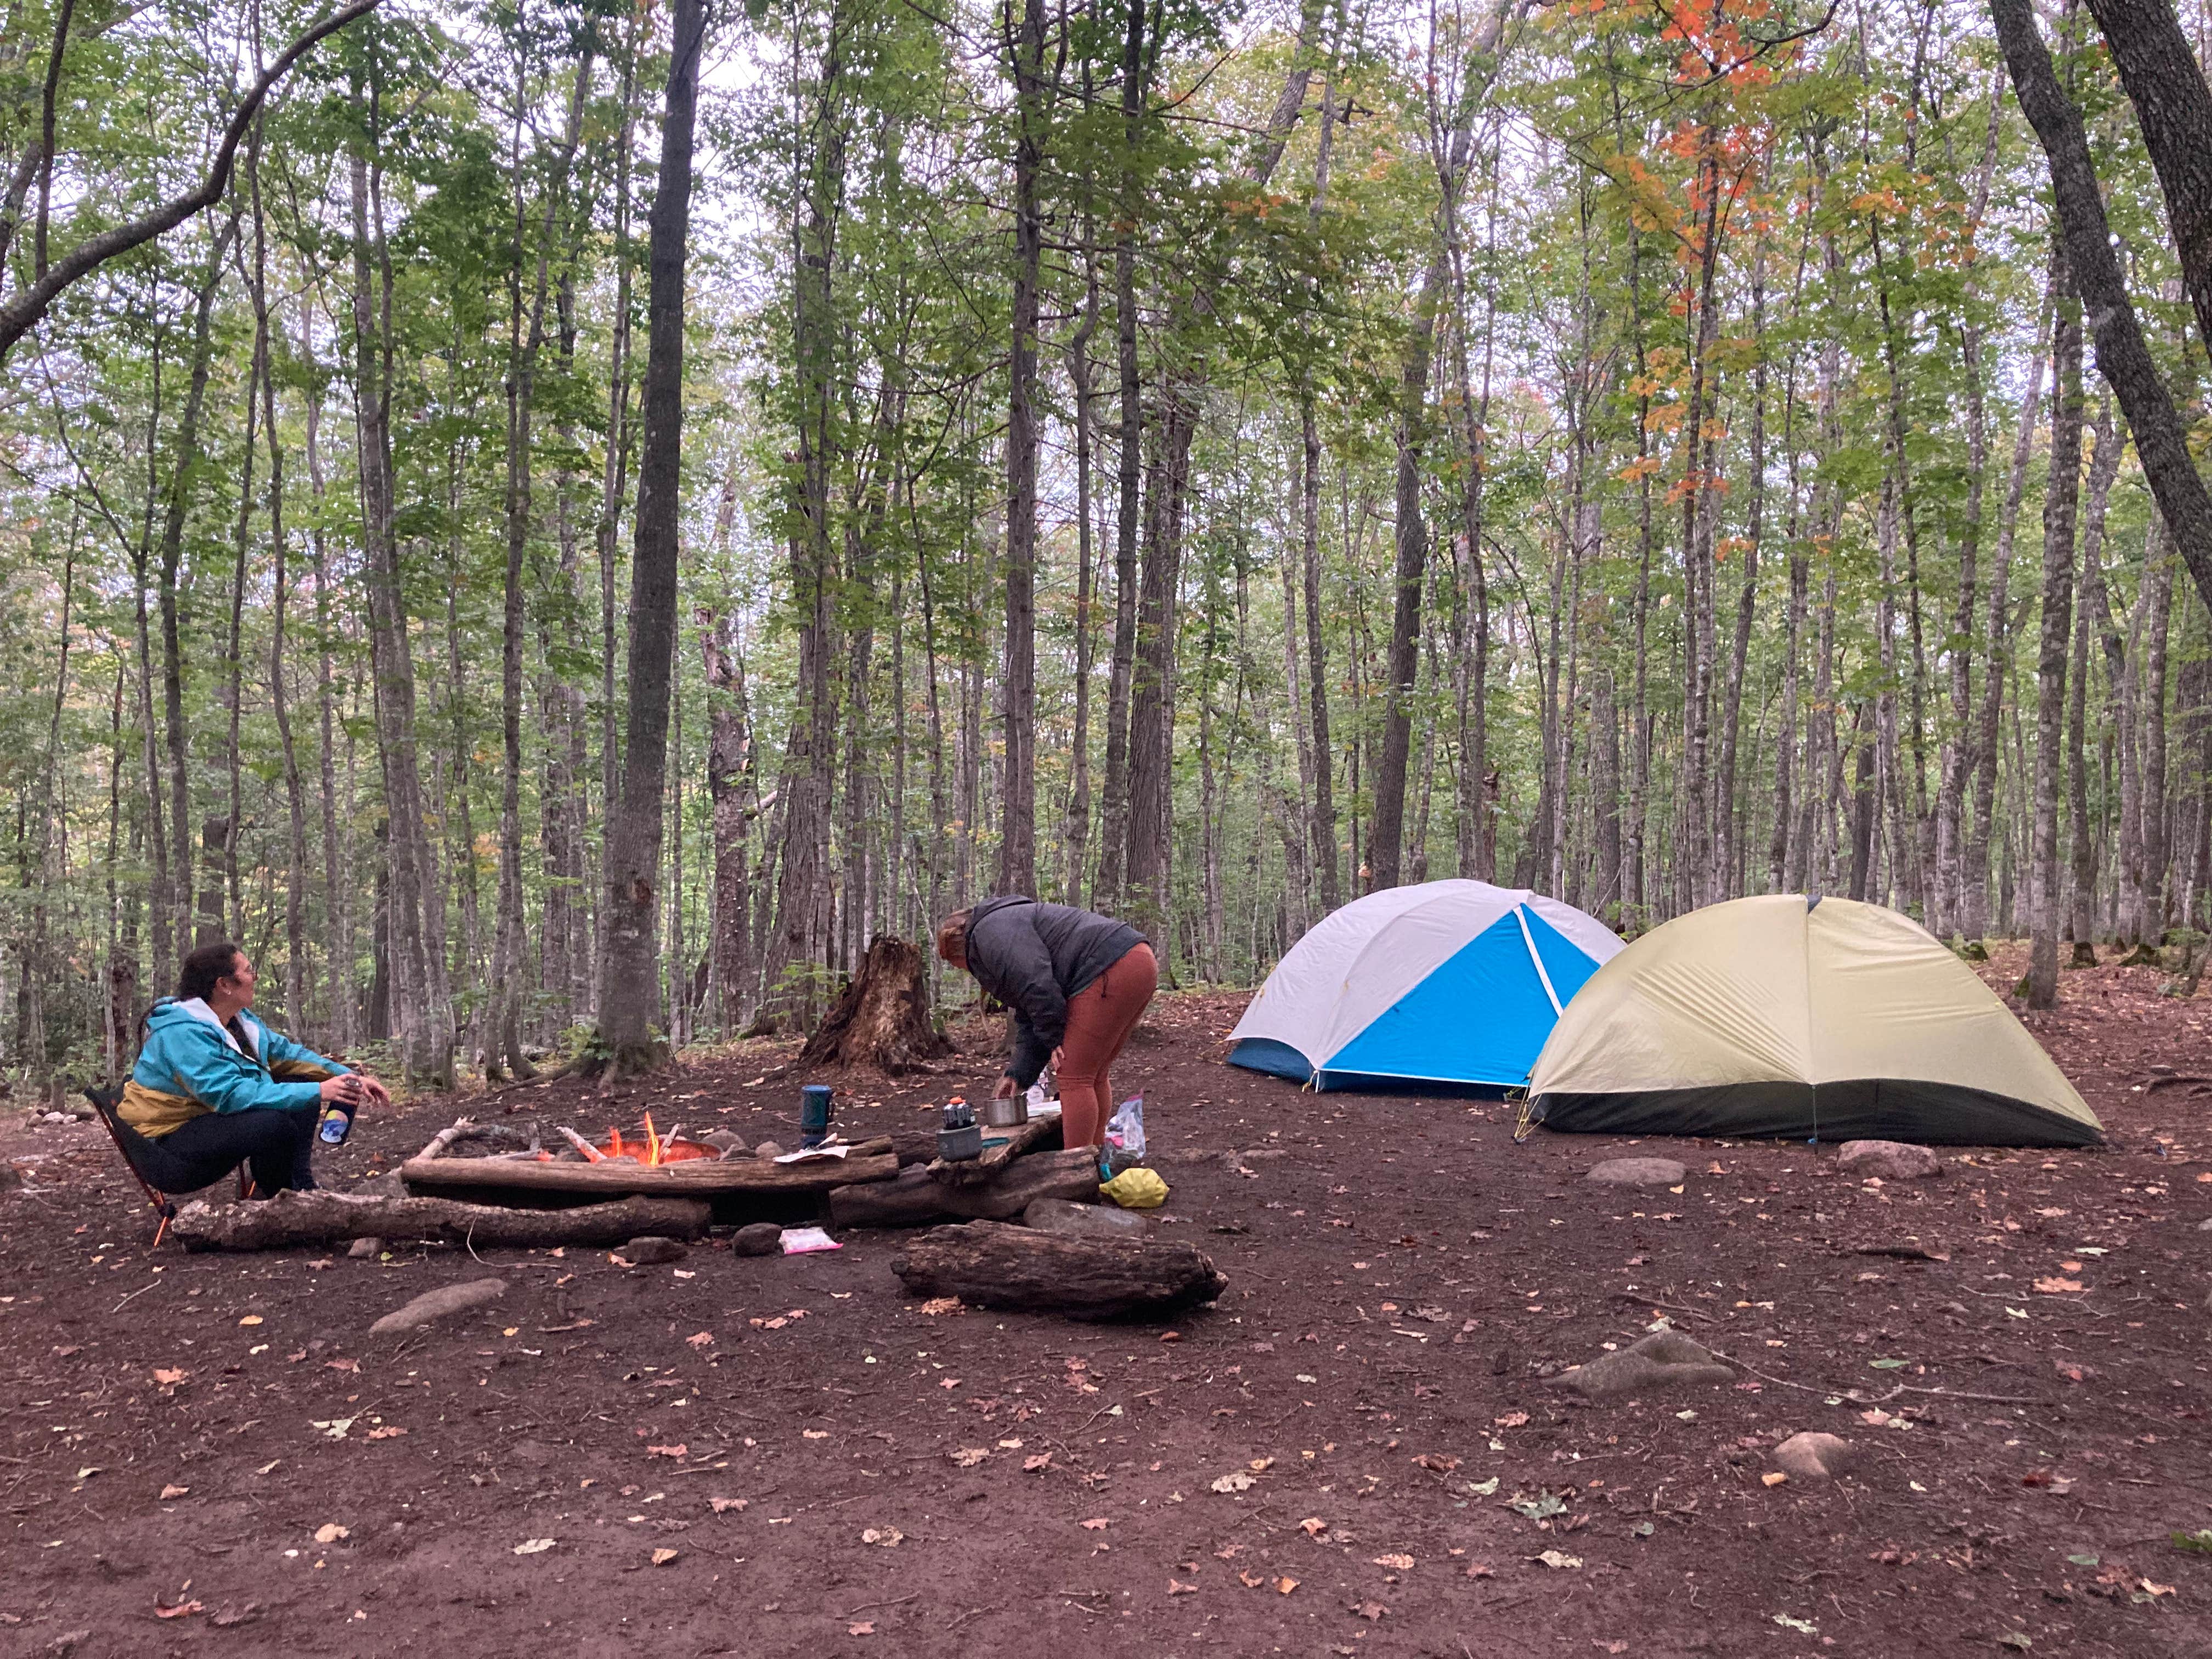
319, 1217
465, 1128
993, 1265
882, 1018
1022, 1139
700, 1177
916, 1197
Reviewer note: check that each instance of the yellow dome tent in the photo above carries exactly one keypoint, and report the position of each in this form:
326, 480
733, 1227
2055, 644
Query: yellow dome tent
1783, 1016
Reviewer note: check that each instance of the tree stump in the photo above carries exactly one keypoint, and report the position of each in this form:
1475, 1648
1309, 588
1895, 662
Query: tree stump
989, 1265
882, 1018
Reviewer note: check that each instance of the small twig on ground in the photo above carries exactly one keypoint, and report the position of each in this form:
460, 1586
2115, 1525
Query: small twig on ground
864, 1606
973, 1613
141, 1291
1654, 1301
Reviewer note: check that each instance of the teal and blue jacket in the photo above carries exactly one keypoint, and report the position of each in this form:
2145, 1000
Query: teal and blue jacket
192, 1064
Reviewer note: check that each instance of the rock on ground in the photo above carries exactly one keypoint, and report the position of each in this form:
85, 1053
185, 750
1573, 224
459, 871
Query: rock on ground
1663, 1359
762, 1238
365, 1249
1893, 1160
1638, 1172
728, 1144
652, 1250
443, 1303
769, 1149
1812, 1456
1057, 1215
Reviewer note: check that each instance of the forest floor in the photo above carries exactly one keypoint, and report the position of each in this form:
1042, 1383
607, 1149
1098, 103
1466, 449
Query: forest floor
220, 1434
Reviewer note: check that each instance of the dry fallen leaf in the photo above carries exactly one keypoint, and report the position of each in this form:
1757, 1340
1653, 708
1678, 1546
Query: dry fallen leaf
330, 1532
942, 1304
1236, 1480
1096, 1523
1031, 1465
169, 1379
677, 1451
1285, 1586
1261, 1465
662, 1557
967, 1457
1396, 1563
167, 1492
1774, 1480
721, 1505
865, 1627
533, 1546
1371, 1611
887, 1538
179, 1611
702, 1340
2057, 1286
1313, 1526
251, 1319
386, 1432
1512, 1419
1176, 1587
1557, 1559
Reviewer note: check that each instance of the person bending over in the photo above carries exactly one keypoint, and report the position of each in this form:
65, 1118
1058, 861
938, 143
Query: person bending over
214, 1087
1077, 982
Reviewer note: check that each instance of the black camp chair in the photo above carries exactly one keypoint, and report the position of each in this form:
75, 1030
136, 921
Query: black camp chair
148, 1165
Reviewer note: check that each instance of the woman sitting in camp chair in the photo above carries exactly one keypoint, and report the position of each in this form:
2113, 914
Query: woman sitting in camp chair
214, 1088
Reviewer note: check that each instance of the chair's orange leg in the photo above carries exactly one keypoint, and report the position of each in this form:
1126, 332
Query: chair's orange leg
161, 1232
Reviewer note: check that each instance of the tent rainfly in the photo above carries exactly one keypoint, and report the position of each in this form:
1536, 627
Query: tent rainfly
1783, 1016
1447, 983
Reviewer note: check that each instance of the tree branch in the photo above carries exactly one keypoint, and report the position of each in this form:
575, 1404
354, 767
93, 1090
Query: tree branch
22, 311
2123, 356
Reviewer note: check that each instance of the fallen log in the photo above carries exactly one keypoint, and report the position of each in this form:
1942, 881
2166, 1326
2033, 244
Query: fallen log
319, 1217
990, 1265
916, 1197
1021, 1140
698, 1177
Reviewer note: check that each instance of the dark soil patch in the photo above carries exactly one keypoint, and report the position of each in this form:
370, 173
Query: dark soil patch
1402, 1279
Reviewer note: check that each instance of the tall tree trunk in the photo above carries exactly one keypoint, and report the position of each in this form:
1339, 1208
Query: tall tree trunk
1114, 825
2122, 356
729, 745
1018, 838
1974, 909
2060, 501
296, 881
419, 1013
803, 896
629, 981
183, 476
1076, 832
1323, 796
2093, 614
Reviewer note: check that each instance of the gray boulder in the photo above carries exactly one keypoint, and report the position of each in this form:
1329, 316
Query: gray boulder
762, 1238
1892, 1160
652, 1250
1813, 1457
1664, 1359
1058, 1215
446, 1301
1638, 1172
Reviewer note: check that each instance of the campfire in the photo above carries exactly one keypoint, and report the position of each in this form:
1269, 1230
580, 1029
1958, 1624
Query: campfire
646, 1147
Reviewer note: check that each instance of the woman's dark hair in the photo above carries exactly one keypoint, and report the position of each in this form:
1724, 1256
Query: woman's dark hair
204, 967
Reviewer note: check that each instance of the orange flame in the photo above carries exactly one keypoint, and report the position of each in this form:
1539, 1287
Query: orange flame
652, 1150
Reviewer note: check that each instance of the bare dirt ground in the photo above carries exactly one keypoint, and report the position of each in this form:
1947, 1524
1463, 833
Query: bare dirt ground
1359, 1450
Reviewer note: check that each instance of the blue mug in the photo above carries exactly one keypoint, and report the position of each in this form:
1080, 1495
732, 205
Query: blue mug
813, 1114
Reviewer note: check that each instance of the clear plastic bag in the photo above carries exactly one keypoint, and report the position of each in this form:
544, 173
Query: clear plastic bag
1125, 1134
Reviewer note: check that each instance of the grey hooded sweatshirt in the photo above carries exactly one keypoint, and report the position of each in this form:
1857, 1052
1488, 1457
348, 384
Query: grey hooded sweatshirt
1033, 956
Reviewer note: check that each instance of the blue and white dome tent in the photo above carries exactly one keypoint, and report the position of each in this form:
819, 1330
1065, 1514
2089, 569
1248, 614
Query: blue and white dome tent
1449, 983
